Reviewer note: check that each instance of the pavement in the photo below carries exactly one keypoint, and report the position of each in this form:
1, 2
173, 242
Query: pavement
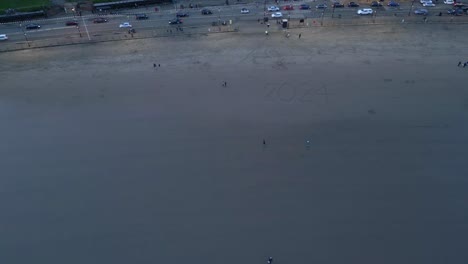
54, 31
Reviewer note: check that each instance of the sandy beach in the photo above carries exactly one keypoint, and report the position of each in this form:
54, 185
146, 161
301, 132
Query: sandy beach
106, 159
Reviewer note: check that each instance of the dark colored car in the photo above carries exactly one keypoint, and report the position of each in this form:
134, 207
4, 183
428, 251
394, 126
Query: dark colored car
376, 4
219, 23
353, 4
394, 4
71, 23
141, 16
458, 4
304, 7
321, 6
288, 7
206, 12
99, 20
337, 5
175, 21
421, 11
455, 12
182, 14
33, 26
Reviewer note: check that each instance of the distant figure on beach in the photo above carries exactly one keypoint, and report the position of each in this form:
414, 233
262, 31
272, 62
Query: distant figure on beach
264, 142
459, 63
464, 65
270, 260
300, 34
154, 65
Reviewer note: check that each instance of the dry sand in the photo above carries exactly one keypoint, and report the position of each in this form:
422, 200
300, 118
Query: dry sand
107, 160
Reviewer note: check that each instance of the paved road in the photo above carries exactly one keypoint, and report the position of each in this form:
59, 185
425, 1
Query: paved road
55, 27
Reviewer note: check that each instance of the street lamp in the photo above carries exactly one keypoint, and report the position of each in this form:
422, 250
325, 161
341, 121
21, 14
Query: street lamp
411, 8
25, 35
79, 31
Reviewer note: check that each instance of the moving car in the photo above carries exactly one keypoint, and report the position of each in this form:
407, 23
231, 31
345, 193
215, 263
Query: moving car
182, 14
353, 4
3, 37
175, 21
206, 12
141, 16
273, 9
365, 11
125, 25
33, 26
394, 4
304, 7
288, 7
421, 11
376, 4
428, 4
71, 23
449, 2
321, 6
245, 11
277, 14
99, 20
337, 5
455, 12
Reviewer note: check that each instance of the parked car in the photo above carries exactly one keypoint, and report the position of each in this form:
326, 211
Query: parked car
273, 9
71, 23
99, 20
365, 11
206, 12
277, 15
321, 6
288, 7
33, 26
353, 4
421, 11
337, 5
245, 11
3, 37
449, 2
428, 4
175, 21
304, 7
393, 4
125, 25
182, 14
141, 16
458, 4
376, 4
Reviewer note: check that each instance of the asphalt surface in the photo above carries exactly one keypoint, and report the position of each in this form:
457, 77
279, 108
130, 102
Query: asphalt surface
56, 28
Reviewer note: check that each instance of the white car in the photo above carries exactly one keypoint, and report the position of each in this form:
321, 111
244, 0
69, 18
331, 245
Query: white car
273, 9
365, 11
125, 25
3, 37
277, 14
448, 2
428, 4
245, 11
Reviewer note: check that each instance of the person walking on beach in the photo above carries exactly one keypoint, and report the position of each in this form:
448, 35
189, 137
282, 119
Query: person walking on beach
154, 65
300, 34
464, 65
459, 63
270, 260
264, 142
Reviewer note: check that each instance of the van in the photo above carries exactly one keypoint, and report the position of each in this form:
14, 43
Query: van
3, 37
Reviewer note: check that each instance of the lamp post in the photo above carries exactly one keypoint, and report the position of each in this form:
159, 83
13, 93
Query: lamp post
25, 35
411, 8
79, 31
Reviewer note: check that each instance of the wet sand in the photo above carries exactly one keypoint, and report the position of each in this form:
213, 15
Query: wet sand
105, 159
